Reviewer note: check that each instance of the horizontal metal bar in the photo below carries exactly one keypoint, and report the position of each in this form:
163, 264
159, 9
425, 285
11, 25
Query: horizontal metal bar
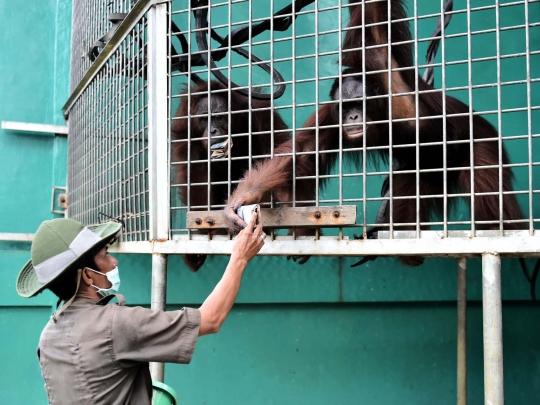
16, 237
517, 244
280, 217
29, 127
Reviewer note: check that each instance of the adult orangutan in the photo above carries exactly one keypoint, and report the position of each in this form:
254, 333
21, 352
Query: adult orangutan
381, 78
200, 149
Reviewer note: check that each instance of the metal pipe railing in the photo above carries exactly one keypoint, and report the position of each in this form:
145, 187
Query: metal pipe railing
462, 332
492, 315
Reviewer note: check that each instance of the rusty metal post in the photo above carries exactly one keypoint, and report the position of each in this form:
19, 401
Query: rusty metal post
462, 332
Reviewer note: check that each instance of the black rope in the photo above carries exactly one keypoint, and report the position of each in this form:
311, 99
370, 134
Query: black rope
115, 219
116, 19
434, 43
280, 21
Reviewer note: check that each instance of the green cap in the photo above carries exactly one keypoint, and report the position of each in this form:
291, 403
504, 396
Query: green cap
60, 245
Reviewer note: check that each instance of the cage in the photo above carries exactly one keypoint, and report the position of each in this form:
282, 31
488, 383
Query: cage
363, 128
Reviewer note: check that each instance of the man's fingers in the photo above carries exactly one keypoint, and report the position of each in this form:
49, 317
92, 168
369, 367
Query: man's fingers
258, 230
252, 220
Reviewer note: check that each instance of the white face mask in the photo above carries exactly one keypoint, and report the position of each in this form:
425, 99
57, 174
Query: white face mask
114, 277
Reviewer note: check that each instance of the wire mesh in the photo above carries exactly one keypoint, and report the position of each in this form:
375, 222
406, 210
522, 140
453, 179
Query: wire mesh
86, 31
108, 142
456, 157
436, 156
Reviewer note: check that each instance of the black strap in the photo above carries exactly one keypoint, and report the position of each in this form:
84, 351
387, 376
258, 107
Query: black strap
434, 43
116, 19
58, 312
280, 21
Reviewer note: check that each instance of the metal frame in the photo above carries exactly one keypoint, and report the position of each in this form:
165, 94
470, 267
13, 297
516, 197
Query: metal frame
54, 197
110, 133
163, 238
36, 128
455, 248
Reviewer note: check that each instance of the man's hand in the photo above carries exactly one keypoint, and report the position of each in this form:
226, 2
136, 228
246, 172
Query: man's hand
249, 241
217, 306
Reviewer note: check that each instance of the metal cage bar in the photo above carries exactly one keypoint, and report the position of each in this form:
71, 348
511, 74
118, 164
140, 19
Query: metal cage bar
158, 146
123, 158
462, 332
493, 344
127, 189
108, 140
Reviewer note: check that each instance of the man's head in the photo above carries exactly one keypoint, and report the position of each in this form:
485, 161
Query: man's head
60, 248
100, 278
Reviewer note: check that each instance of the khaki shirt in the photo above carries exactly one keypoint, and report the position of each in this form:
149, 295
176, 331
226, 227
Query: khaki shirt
99, 354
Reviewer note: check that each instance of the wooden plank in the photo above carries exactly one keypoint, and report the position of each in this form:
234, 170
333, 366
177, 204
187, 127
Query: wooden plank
282, 217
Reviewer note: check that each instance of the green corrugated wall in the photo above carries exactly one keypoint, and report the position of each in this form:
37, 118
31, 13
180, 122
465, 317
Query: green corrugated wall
321, 333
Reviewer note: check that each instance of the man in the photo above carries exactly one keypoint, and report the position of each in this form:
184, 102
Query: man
94, 353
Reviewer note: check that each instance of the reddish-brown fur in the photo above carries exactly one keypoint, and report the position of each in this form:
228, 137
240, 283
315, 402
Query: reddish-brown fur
486, 208
219, 170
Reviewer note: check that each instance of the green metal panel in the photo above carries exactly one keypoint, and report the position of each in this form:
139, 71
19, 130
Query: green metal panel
21, 381
353, 354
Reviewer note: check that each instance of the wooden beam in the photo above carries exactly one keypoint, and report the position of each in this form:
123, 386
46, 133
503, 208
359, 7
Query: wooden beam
283, 217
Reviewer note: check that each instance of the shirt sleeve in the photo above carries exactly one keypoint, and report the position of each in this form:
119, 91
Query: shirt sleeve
144, 335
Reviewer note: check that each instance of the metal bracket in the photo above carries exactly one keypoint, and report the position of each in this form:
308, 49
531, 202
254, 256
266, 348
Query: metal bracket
282, 217
59, 196
34, 128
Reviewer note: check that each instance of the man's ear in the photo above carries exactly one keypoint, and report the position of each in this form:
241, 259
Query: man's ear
86, 277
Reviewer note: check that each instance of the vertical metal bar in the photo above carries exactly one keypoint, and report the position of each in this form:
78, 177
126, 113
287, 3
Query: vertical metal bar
158, 154
529, 116
229, 101
209, 118
272, 102
317, 180
188, 118
471, 133
158, 301
462, 332
293, 104
364, 122
136, 140
492, 315
499, 114
443, 89
124, 117
340, 110
169, 93
132, 130
417, 119
340, 154
390, 116
250, 85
